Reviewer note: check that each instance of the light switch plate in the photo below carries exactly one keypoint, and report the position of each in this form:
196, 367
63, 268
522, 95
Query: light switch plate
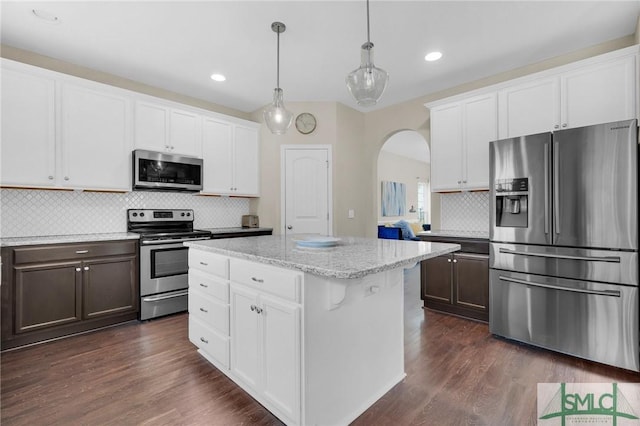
352, 214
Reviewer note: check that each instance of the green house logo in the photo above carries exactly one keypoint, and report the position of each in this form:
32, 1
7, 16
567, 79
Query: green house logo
601, 403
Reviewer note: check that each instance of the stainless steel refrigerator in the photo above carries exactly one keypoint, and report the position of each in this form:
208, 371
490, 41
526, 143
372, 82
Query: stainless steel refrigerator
564, 241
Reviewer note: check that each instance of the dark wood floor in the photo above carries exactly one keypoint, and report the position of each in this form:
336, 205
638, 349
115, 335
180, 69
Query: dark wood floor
150, 374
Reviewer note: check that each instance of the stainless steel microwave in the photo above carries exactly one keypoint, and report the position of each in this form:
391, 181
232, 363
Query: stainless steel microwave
159, 171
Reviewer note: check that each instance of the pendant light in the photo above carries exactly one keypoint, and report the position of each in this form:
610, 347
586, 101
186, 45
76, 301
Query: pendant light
276, 116
367, 83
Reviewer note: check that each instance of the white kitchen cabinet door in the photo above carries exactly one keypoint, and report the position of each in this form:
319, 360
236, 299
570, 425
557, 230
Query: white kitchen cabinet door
245, 332
151, 127
529, 108
446, 148
480, 128
246, 159
28, 129
95, 138
217, 155
184, 133
282, 354
164, 129
599, 93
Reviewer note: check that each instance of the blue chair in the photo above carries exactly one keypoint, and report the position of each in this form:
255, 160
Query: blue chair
389, 233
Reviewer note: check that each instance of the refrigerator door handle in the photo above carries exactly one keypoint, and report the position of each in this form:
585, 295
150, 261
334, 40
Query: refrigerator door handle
556, 188
611, 293
546, 188
610, 259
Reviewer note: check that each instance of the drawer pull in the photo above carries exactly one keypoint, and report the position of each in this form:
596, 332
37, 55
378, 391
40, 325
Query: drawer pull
259, 310
204, 263
86, 268
204, 310
204, 285
82, 251
203, 340
257, 280
253, 308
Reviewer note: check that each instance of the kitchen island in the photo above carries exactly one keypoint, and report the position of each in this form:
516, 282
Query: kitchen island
316, 335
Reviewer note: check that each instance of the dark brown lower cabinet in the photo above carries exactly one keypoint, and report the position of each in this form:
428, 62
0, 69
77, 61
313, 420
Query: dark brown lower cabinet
56, 290
458, 283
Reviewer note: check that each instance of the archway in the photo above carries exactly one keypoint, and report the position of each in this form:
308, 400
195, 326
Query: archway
404, 159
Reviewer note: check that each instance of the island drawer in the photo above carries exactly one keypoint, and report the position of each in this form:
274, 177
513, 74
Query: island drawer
210, 263
215, 345
215, 314
209, 285
278, 281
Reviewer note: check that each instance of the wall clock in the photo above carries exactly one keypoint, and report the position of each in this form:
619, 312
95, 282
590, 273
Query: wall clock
306, 123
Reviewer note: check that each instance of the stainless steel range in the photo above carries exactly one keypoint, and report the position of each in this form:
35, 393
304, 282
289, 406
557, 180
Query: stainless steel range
164, 261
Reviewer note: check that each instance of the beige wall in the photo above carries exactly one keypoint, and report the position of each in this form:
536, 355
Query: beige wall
396, 168
41, 61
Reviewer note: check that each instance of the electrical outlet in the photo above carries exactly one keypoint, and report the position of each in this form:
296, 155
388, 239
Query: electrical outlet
352, 214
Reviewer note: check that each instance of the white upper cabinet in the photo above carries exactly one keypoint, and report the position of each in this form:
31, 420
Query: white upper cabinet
460, 136
28, 128
162, 128
96, 138
231, 158
591, 93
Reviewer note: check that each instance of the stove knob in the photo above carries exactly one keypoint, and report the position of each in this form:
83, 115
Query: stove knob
188, 214
135, 214
182, 214
141, 214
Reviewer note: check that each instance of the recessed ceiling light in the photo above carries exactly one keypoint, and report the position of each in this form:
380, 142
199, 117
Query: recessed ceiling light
45, 16
218, 77
433, 56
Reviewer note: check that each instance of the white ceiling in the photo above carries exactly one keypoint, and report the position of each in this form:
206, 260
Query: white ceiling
176, 45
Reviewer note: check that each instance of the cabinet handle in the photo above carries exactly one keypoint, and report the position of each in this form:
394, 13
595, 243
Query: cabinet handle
204, 264
78, 269
374, 289
66, 178
455, 260
82, 251
257, 280
564, 124
204, 310
204, 285
86, 268
202, 339
50, 177
449, 260
557, 126
464, 181
253, 308
258, 310
459, 182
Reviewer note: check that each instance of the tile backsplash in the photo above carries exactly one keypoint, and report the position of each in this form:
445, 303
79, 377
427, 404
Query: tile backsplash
465, 211
25, 213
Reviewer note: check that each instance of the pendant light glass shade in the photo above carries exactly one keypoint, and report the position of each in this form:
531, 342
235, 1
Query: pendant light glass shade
277, 118
368, 82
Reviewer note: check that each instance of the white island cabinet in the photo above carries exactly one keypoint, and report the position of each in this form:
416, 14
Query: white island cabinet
315, 335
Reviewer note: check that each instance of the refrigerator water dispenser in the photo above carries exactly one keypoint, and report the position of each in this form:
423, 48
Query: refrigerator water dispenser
512, 197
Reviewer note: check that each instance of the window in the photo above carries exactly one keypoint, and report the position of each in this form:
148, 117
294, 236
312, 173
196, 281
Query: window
424, 202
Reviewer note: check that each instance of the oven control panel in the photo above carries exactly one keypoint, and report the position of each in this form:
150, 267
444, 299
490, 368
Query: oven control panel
150, 215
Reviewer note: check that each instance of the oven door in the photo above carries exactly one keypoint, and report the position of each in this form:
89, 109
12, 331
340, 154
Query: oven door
163, 267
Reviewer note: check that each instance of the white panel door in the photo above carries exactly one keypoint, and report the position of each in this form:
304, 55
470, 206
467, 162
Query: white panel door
599, 93
481, 127
96, 139
28, 129
306, 191
446, 148
281, 352
246, 158
245, 332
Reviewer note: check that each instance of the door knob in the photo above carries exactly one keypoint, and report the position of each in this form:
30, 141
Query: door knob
289, 227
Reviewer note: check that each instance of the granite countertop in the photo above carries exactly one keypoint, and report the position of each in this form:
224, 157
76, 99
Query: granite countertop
59, 239
476, 235
351, 258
